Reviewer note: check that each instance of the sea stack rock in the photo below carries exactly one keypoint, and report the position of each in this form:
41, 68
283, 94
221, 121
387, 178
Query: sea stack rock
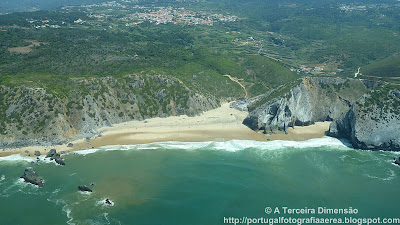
84, 188
397, 161
108, 202
30, 176
59, 161
53, 155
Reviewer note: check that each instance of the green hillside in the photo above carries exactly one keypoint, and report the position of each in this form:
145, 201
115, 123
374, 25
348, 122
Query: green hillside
388, 67
241, 41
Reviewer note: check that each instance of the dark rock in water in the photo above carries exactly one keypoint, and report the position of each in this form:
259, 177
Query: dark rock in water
60, 161
53, 155
108, 202
37, 153
70, 145
84, 188
30, 176
397, 161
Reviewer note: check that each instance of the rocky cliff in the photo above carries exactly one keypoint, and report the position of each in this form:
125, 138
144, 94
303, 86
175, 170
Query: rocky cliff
76, 107
313, 99
373, 122
365, 112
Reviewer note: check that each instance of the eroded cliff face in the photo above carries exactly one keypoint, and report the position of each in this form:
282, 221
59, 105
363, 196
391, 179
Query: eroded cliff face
314, 99
42, 116
372, 123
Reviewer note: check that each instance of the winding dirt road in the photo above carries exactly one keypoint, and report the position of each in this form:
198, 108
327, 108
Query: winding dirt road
234, 79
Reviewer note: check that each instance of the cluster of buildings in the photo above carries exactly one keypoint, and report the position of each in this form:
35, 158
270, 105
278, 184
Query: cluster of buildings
128, 13
133, 14
318, 69
109, 4
353, 7
165, 15
43, 23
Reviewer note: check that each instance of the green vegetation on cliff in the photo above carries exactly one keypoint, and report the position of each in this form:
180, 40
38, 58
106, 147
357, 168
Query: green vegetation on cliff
385, 98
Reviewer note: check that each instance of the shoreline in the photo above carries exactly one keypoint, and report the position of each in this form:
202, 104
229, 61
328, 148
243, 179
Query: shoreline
220, 124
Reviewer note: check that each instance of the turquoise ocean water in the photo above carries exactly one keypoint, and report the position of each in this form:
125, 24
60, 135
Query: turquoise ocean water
202, 183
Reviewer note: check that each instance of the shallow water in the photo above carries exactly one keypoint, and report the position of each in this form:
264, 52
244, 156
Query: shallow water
200, 183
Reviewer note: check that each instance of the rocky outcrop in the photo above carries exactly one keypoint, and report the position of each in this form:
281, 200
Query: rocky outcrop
365, 112
108, 202
373, 123
314, 99
53, 155
32, 115
30, 176
84, 188
397, 161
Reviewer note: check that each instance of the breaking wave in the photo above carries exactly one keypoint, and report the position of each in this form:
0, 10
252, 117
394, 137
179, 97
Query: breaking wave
231, 146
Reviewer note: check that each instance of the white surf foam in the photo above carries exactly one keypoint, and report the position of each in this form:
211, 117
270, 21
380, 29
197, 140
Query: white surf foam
391, 176
102, 202
105, 148
312, 143
237, 145
85, 193
17, 157
231, 146
86, 152
68, 212
147, 148
21, 183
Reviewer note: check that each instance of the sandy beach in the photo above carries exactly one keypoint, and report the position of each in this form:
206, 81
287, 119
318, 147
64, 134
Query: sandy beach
221, 124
